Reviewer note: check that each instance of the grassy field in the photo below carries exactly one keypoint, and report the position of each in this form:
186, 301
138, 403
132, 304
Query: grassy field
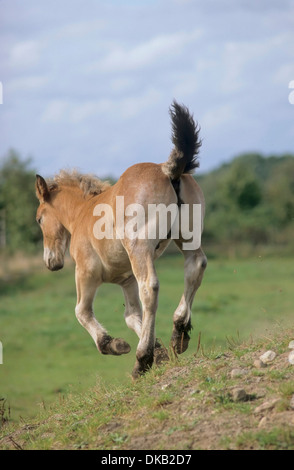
47, 354
214, 401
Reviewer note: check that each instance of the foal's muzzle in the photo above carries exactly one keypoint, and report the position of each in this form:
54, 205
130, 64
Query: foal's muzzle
52, 262
55, 267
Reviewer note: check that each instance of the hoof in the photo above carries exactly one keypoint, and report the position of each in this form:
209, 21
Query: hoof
137, 372
160, 354
142, 366
180, 341
119, 346
116, 347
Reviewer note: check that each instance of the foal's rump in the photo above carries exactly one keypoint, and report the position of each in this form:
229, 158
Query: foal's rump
150, 200
154, 206
150, 205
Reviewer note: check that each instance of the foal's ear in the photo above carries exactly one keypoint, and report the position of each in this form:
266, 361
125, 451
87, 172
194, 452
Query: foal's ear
42, 190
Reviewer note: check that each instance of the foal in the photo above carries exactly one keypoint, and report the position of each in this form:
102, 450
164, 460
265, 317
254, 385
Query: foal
69, 205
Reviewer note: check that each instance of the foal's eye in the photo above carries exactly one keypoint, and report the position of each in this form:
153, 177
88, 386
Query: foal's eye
39, 220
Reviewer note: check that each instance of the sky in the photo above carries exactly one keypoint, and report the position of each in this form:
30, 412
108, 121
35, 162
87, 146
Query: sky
88, 84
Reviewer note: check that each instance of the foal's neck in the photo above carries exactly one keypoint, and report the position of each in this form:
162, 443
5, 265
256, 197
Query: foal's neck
68, 203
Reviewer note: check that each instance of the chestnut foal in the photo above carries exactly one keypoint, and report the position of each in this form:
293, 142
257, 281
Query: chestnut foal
69, 205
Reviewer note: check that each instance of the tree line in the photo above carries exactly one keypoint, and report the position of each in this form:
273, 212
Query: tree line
248, 200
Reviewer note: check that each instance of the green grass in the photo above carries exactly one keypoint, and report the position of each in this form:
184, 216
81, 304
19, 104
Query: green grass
47, 354
275, 439
184, 404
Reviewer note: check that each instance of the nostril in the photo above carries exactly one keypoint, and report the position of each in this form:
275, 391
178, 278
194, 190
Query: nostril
57, 267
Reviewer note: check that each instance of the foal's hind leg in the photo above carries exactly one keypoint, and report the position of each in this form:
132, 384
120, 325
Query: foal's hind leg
148, 285
133, 309
195, 264
86, 285
133, 316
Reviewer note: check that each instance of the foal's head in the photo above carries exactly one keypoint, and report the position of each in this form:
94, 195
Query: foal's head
55, 235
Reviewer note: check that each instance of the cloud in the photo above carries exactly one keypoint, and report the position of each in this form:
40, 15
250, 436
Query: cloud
55, 111
132, 106
284, 73
218, 117
27, 83
122, 84
146, 54
80, 28
86, 110
25, 54
124, 108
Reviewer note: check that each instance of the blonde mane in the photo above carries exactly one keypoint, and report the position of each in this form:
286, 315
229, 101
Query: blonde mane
89, 184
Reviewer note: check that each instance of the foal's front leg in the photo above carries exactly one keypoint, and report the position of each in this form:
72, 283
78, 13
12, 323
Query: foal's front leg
86, 285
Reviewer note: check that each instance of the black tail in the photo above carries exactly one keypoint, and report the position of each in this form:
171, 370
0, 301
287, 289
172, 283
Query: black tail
185, 137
